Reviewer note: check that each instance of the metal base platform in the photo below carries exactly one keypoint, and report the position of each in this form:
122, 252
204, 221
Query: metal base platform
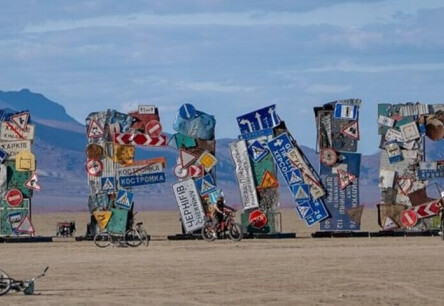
184, 237
269, 236
342, 234
21, 239
433, 232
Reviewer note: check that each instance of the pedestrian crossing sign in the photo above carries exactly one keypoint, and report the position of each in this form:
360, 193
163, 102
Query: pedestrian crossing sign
108, 183
301, 192
257, 151
124, 199
205, 185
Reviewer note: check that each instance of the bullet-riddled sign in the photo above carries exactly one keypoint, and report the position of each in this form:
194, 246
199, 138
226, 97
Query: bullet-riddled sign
190, 205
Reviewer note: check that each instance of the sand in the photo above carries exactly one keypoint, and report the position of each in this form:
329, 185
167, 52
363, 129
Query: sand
301, 271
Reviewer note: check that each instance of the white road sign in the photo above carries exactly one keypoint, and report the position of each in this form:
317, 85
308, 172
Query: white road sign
139, 170
190, 206
10, 131
15, 147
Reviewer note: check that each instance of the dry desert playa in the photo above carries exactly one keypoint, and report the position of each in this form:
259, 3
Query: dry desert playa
301, 271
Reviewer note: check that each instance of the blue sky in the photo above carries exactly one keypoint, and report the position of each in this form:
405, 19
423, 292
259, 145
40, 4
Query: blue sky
227, 58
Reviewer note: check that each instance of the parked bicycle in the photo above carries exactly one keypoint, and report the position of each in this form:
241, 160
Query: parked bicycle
137, 235
7, 283
227, 225
104, 239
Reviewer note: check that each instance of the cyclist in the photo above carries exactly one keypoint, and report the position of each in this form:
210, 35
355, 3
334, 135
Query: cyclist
219, 211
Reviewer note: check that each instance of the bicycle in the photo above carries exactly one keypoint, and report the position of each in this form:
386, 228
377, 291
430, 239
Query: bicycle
7, 283
104, 239
234, 229
137, 235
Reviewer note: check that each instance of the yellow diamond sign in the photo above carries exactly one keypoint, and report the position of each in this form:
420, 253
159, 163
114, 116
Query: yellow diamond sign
207, 160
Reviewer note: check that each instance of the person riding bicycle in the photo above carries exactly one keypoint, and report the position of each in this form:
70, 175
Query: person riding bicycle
220, 209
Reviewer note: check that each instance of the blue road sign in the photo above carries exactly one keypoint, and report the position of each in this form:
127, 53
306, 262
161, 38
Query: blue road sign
187, 111
124, 199
258, 120
108, 183
257, 151
140, 180
201, 126
301, 192
294, 177
205, 185
427, 174
339, 201
319, 212
3, 155
343, 111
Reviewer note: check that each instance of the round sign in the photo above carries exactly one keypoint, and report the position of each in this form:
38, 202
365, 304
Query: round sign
180, 172
14, 197
409, 218
153, 128
187, 111
94, 151
258, 218
94, 167
328, 156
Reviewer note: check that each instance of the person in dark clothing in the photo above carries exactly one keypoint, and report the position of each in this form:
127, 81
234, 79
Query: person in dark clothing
219, 211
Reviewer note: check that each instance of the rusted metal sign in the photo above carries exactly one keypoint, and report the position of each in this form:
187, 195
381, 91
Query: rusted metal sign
13, 148
10, 132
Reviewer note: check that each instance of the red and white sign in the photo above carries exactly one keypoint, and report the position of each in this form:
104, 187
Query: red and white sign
14, 197
196, 171
31, 183
95, 130
180, 172
10, 132
21, 120
26, 226
139, 139
153, 128
427, 209
389, 224
258, 219
345, 178
94, 167
186, 157
409, 218
351, 130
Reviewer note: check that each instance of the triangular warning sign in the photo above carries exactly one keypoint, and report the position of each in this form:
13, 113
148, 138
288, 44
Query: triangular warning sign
124, 200
31, 183
95, 130
269, 180
389, 224
25, 226
345, 178
351, 130
294, 177
102, 218
355, 213
206, 187
21, 120
186, 158
301, 192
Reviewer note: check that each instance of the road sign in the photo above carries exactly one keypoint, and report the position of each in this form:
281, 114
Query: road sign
139, 139
15, 147
102, 218
108, 183
31, 183
95, 130
14, 197
190, 205
196, 171
351, 130
258, 219
147, 109
409, 218
153, 128
25, 226
180, 172
205, 185
343, 111
124, 199
186, 157
258, 120
328, 156
345, 178
301, 192
25, 161
144, 179
304, 209
409, 131
269, 180
94, 150
315, 213
187, 111
279, 147
244, 174
207, 160
3, 155
20, 120
10, 132
429, 209
131, 170
94, 167
294, 177
430, 170
257, 151
389, 224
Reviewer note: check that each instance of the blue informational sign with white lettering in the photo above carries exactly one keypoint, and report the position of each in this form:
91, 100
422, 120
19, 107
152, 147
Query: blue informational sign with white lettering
343, 111
427, 174
205, 185
258, 120
124, 199
314, 211
338, 201
143, 179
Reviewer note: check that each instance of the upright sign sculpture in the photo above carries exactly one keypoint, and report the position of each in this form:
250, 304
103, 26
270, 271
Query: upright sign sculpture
407, 200
196, 192
111, 168
338, 134
18, 176
264, 146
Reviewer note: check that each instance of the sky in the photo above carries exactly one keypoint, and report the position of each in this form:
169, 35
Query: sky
226, 58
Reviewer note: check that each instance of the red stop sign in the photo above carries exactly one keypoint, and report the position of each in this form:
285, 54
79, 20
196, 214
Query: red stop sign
14, 197
409, 218
258, 218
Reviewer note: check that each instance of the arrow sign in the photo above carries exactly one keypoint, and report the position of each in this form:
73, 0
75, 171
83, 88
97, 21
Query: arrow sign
187, 111
258, 120
427, 209
139, 139
196, 170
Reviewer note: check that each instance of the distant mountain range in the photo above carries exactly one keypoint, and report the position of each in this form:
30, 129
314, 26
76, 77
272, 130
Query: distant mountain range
59, 148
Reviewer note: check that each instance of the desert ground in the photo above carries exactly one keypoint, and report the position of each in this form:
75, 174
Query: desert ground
301, 271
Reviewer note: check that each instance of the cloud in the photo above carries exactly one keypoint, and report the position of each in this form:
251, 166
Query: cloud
213, 86
327, 89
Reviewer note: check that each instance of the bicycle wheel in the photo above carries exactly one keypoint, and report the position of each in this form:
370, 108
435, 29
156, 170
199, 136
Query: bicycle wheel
133, 238
144, 236
208, 233
5, 282
236, 233
102, 239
